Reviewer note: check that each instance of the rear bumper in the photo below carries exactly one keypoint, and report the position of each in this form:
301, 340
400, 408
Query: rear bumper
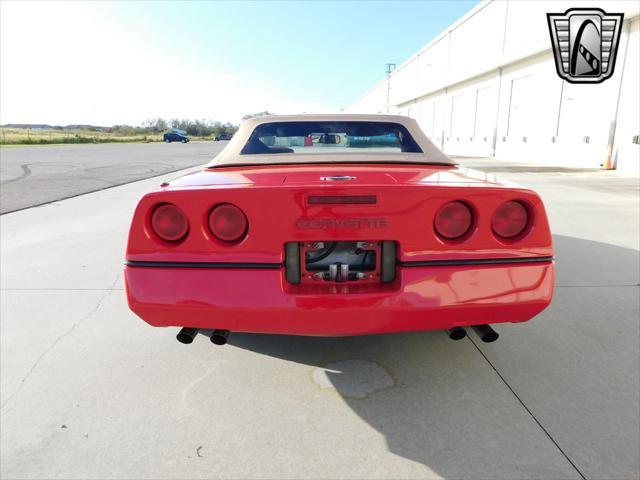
261, 301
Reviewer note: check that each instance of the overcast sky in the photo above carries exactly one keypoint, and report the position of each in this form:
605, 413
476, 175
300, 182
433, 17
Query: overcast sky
106, 63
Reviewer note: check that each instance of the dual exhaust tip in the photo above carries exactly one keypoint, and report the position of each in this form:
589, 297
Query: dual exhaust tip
217, 337
220, 337
484, 331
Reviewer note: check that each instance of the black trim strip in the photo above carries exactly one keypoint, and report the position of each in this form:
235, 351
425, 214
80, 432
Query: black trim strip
265, 266
276, 266
329, 162
475, 261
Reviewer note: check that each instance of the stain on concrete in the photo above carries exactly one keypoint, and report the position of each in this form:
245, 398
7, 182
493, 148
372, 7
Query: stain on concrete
353, 378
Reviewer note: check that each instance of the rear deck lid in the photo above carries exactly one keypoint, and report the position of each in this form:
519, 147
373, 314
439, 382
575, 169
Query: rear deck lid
339, 177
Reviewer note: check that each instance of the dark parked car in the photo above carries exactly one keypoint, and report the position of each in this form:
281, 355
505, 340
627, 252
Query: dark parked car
222, 136
176, 136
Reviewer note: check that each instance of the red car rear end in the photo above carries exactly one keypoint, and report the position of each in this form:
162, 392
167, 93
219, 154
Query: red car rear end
338, 249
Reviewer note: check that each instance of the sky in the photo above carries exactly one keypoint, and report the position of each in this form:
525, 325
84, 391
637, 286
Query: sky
107, 63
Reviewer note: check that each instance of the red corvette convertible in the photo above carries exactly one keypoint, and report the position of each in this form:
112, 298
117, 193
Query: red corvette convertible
337, 225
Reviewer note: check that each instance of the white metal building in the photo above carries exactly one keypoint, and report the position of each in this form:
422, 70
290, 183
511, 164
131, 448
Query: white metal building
487, 86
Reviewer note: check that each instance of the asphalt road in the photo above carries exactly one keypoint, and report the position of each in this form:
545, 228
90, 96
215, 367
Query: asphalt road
90, 391
31, 176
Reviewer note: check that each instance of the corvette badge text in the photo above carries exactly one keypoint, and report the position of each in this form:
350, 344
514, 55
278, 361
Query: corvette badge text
585, 43
333, 224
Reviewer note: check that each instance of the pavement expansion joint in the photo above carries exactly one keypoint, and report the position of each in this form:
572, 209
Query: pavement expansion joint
564, 454
56, 341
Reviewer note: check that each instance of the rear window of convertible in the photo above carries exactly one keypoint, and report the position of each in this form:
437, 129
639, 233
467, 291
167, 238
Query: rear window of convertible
329, 137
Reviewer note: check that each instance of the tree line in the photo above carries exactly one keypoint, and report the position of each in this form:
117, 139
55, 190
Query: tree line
196, 128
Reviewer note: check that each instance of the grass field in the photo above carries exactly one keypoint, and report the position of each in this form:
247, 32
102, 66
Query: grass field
24, 136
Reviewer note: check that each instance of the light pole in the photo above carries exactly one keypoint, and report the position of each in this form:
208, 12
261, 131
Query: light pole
389, 67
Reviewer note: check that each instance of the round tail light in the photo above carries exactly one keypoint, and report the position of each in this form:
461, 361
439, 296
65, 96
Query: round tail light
510, 219
453, 220
228, 223
169, 223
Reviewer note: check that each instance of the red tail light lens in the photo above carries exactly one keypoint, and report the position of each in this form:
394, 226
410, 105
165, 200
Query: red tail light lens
169, 223
453, 220
228, 223
510, 219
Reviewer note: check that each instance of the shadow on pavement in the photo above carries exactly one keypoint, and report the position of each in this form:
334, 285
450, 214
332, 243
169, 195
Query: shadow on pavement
440, 403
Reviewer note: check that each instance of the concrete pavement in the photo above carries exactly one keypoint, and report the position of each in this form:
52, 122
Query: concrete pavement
32, 176
90, 391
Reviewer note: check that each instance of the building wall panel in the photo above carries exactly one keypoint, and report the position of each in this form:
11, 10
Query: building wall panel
488, 86
476, 46
626, 149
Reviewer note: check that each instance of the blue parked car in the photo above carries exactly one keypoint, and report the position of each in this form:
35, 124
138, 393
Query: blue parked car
176, 135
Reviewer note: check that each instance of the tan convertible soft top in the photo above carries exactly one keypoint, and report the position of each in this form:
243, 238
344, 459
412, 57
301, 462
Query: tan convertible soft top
231, 154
